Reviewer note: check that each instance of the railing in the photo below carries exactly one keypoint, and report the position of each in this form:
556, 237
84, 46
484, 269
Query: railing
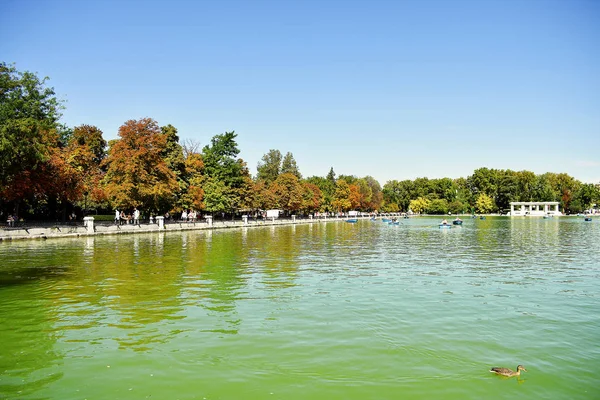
13, 225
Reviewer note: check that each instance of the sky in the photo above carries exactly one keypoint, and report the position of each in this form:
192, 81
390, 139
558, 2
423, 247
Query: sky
392, 89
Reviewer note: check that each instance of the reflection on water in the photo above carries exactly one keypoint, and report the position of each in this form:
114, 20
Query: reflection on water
322, 310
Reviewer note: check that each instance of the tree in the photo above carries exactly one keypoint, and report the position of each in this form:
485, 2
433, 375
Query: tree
484, 204
419, 205
29, 115
269, 167
566, 187
190, 146
366, 195
327, 188
438, 206
588, 195
508, 189
289, 166
137, 175
341, 198
354, 196
221, 162
312, 197
457, 207
216, 196
85, 152
288, 192
376, 194
484, 180
175, 160
193, 195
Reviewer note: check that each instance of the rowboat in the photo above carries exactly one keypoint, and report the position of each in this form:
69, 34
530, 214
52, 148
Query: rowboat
352, 220
445, 226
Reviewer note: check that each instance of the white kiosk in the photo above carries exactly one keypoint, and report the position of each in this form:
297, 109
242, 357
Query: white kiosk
534, 209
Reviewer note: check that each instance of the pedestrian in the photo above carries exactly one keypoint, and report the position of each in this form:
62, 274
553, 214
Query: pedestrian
136, 216
117, 216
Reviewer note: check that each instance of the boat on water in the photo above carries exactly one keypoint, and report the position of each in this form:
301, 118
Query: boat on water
588, 219
394, 223
482, 217
457, 222
386, 220
352, 220
445, 226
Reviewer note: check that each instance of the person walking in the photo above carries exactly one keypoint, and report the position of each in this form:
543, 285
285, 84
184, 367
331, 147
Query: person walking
117, 217
136, 216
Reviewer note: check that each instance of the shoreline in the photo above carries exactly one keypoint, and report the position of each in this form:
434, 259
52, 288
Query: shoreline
51, 232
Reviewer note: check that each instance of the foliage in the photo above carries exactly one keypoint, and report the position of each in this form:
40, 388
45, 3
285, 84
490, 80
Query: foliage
341, 198
220, 160
438, 206
289, 166
269, 167
216, 196
419, 205
484, 204
312, 197
137, 175
29, 140
288, 192
457, 207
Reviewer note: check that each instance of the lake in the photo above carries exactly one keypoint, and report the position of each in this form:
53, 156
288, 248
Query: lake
316, 311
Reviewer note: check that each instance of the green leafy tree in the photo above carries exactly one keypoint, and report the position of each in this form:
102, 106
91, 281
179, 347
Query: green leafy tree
289, 166
457, 207
221, 162
484, 204
419, 205
269, 167
443, 188
587, 196
526, 183
376, 194
327, 188
398, 193
29, 115
484, 180
216, 196
438, 206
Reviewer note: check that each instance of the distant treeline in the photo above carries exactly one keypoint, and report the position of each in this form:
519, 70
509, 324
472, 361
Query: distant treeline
49, 170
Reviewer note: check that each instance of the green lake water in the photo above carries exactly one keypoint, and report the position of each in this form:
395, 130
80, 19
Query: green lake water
321, 311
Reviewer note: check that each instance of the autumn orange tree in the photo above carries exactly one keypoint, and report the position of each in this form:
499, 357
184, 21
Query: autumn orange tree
84, 154
137, 174
288, 192
312, 198
341, 197
193, 194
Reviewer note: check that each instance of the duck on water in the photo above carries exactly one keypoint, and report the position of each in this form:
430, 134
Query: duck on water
508, 371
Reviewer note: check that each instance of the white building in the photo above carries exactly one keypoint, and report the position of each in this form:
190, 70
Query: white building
534, 208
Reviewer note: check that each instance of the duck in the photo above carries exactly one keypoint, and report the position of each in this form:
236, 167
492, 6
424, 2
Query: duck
508, 371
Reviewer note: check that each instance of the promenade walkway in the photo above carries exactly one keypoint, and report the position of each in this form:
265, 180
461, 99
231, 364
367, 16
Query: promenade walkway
91, 228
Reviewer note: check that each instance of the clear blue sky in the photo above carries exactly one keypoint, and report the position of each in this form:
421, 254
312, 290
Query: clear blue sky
391, 89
